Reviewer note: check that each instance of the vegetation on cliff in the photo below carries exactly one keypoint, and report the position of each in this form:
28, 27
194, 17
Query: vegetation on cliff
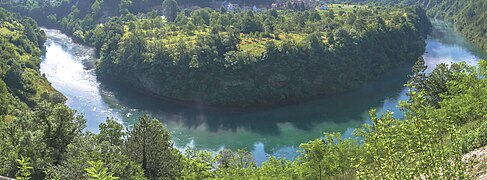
469, 16
21, 84
265, 58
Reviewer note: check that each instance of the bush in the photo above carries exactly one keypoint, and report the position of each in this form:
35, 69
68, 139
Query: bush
481, 139
468, 141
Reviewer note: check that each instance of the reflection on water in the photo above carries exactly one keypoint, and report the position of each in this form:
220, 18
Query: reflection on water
276, 131
445, 45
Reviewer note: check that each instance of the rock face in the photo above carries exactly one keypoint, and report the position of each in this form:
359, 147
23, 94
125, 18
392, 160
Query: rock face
477, 159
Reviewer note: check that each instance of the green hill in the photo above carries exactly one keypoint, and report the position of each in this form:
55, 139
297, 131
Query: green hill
264, 58
469, 16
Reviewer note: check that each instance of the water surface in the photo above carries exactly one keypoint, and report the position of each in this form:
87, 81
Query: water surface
272, 131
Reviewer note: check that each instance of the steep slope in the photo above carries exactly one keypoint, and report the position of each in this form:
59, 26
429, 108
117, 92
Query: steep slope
21, 82
469, 16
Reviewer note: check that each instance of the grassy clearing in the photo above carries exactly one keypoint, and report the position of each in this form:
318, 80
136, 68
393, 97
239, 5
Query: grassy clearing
346, 7
256, 46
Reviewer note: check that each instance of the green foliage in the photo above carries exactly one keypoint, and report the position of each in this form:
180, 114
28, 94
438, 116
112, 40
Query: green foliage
481, 133
468, 15
215, 58
24, 169
21, 42
90, 147
278, 168
98, 171
329, 157
26, 133
149, 144
468, 141
112, 132
235, 164
408, 149
427, 143
170, 9
197, 164
60, 128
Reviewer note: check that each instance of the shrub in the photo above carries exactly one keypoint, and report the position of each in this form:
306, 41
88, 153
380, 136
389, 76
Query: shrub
481, 139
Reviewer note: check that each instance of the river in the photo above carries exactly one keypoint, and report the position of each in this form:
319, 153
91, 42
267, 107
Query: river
273, 131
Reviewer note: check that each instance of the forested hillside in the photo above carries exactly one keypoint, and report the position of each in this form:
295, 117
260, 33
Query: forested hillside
33, 121
469, 16
265, 58
20, 81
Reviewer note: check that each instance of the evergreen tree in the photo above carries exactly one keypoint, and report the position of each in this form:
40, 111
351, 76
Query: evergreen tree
149, 144
170, 9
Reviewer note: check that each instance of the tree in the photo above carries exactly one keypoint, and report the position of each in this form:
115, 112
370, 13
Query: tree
3, 99
24, 169
331, 14
329, 157
149, 144
170, 9
98, 171
123, 6
111, 131
96, 7
235, 164
197, 164
60, 126
278, 168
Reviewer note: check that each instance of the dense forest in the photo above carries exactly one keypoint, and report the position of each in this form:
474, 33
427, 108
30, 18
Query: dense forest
41, 138
21, 45
469, 16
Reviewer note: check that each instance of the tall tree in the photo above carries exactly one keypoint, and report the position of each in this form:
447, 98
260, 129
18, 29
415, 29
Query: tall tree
149, 144
60, 127
170, 9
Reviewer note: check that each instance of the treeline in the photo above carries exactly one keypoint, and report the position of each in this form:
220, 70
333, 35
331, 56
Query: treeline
51, 13
469, 16
248, 58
